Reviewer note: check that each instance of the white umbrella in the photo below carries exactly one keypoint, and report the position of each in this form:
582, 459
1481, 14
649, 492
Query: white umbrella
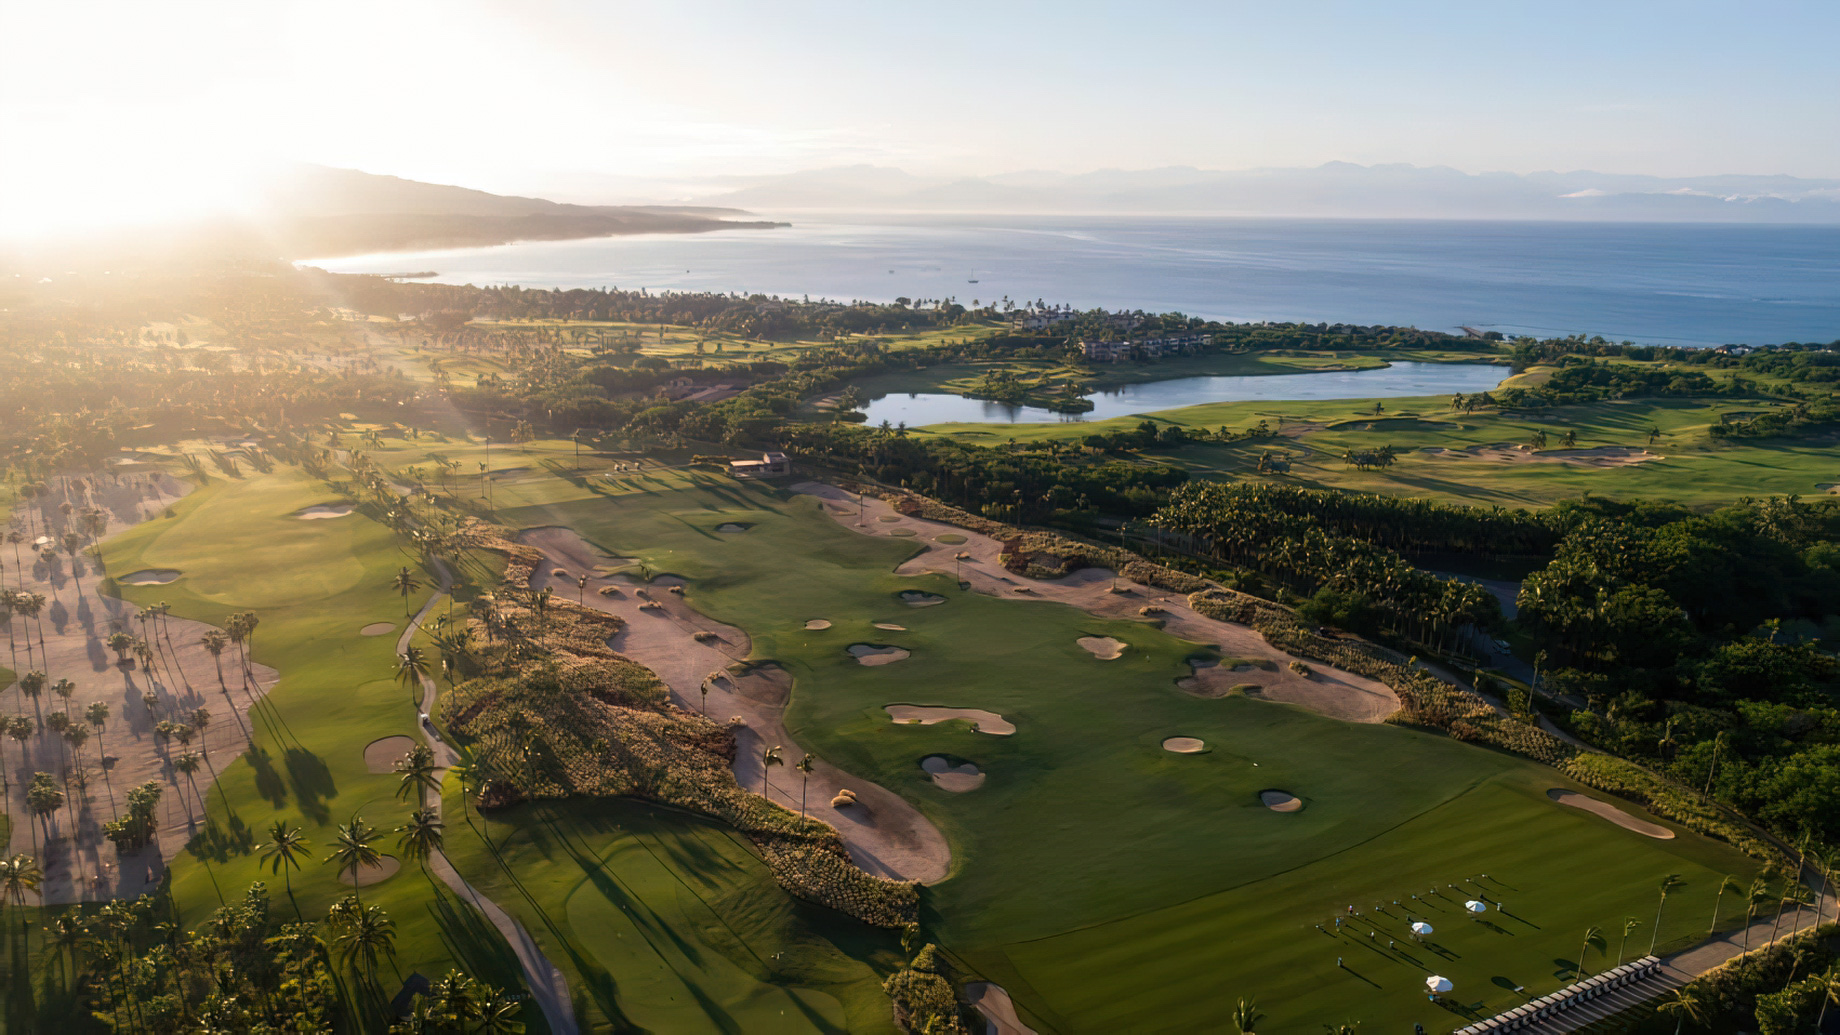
1475, 907
1438, 985
1420, 927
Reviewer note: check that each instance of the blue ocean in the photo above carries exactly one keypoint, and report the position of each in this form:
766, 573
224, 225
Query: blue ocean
1676, 284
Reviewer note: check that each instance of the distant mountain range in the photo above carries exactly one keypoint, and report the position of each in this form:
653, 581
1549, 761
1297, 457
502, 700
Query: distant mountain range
1338, 189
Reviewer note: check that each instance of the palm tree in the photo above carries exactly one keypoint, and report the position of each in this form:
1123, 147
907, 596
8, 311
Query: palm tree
1688, 1002
1592, 937
768, 759
1830, 993
283, 851
1730, 883
804, 767
405, 583
1246, 1016
1668, 884
121, 643
411, 669
32, 684
498, 1015
64, 688
1758, 895
215, 641
1630, 924
187, 763
470, 777
421, 836
363, 933
18, 875
44, 798
418, 774
352, 848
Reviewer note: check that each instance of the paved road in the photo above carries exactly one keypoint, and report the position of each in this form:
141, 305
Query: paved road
549, 989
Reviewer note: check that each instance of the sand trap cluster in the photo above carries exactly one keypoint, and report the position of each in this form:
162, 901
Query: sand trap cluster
955, 778
1105, 648
1610, 812
877, 654
383, 870
915, 598
818, 623
377, 628
923, 715
731, 527
321, 511
381, 756
1281, 801
151, 577
1185, 745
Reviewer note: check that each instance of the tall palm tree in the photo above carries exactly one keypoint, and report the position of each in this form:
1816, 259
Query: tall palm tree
405, 583
804, 767
6, 619
1759, 894
64, 688
1630, 924
1594, 937
1830, 993
32, 684
418, 774
421, 836
768, 759
1246, 1016
498, 1015
1668, 884
187, 763
352, 849
363, 934
1730, 883
215, 642
18, 875
470, 776
411, 669
283, 850
1686, 1003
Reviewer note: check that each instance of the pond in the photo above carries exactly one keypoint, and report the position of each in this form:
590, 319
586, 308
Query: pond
1400, 380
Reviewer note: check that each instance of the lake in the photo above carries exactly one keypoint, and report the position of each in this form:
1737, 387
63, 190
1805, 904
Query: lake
1402, 379
1683, 284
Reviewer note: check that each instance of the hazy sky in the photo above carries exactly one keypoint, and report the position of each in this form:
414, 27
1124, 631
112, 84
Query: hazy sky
512, 96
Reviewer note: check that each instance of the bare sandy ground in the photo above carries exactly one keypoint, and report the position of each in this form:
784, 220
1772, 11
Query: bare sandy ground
1611, 813
1511, 453
999, 1012
886, 835
79, 864
1327, 691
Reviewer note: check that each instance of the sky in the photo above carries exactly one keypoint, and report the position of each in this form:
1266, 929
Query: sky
111, 110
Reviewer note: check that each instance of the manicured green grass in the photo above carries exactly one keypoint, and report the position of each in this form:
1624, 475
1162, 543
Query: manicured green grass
1085, 824
1694, 468
314, 584
668, 922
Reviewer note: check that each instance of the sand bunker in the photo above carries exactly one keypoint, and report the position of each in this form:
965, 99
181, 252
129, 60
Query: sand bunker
1184, 745
1511, 453
1102, 647
324, 510
377, 628
921, 715
875, 654
915, 598
367, 875
955, 778
1280, 801
151, 577
732, 527
1611, 813
891, 627
381, 756
818, 623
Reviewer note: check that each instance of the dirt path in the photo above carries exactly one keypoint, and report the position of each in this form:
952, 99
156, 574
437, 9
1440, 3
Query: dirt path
885, 834
1327, 691
79, 864
549, 987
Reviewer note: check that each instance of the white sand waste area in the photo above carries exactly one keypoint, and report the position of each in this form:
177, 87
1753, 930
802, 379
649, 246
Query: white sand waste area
955, 778
1611, 813
321, 511
874, 654
380, 755
1105, 648
1280, 801
921, 715
1185, 745
151, 577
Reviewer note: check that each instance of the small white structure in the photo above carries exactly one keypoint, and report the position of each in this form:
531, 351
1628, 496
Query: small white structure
1476, 907
1420, 928
770, 465
1438, 985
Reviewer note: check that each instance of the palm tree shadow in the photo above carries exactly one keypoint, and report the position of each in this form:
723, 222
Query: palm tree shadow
311, 781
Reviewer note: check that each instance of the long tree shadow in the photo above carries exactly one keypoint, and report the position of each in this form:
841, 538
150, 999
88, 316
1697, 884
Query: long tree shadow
268, 782
472, 940
312, 783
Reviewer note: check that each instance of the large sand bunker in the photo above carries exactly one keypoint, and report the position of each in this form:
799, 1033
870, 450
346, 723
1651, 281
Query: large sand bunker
1185, 745
922, 715
877, 654
955, 778
384, 869
376, 628
381, 756
1104, 648
1281, 801
1610, 812
151, 577
320, 511
915, 598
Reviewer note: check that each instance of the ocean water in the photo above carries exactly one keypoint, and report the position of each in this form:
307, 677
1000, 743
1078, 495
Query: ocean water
1401, 379
1679, 284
